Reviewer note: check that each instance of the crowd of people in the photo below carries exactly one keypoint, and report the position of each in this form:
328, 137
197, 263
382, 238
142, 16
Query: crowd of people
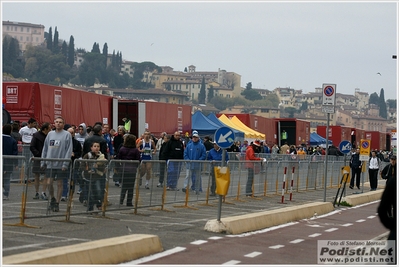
100, 143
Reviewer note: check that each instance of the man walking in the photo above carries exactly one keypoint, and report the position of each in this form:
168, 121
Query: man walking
57, 145
374, 166
356, 166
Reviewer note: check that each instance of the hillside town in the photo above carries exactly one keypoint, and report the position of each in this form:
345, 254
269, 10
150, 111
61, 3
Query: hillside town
183, 87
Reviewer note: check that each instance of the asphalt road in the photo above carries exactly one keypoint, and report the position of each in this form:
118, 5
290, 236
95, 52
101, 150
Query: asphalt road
292, 243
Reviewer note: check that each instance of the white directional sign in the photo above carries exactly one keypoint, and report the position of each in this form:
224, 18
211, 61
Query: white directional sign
224, 137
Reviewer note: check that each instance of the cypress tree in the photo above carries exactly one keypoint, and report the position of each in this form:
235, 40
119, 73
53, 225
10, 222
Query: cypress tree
49, 39
202, 93
383, 105
71, 51
64, 51
56, 48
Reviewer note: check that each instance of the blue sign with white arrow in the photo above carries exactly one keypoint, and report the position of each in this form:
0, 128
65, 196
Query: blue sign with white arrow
224, 137
345, 147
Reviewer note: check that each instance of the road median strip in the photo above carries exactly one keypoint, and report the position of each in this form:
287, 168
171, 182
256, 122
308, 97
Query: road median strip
105, 251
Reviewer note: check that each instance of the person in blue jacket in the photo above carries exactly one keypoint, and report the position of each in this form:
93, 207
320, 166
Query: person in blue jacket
215, 157
195, 150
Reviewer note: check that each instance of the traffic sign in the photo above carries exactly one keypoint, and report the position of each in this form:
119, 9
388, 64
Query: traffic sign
329, 92
364, 149
224, 137
345, 147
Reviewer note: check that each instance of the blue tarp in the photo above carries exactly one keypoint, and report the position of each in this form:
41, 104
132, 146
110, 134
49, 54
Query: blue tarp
237, 134
203, 125
316, 140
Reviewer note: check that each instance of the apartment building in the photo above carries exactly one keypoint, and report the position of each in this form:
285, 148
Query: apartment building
25, 33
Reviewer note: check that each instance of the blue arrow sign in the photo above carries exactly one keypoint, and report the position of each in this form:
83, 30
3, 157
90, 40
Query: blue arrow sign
224, 137
345, 147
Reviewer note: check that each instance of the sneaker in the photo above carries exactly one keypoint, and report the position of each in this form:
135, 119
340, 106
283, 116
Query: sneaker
351, 187
44, 196
183, 190
159, 185
37, 196
79, 191
56, 207
5, 197
63, 199
147, 187
117, 184
85, 203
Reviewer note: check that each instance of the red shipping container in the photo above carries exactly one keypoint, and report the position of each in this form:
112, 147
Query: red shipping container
298, 130
24, 100
167, 117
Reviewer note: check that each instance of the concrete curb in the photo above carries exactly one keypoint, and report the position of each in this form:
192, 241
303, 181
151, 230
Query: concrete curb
106, 251
358, 199
256, 221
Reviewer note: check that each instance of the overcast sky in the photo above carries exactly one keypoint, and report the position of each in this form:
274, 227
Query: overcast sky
300, 45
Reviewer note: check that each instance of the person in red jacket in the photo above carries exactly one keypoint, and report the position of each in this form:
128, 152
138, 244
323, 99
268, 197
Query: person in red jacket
250, 156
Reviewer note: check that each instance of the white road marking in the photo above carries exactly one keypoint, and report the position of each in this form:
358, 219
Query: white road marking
314, 235
276, 246
215, 237
199, 242
331, 230
233, 262
253, 254
347, 224
361, 220
313, 225
297, 241
371, 217
155, 256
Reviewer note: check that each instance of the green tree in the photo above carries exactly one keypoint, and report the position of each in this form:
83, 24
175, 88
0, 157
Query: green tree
138, 75
95, 48
71, 51
211, 93
251, 94
49, 39
221, 103
43, 66
291, 111
56, 48
202, 93
12, 63
391, 103
383, 105
105, 53
374, 99
64, 51
304, 106
92, 69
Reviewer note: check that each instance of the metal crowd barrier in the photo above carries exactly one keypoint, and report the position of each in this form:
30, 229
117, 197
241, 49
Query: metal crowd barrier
268, 178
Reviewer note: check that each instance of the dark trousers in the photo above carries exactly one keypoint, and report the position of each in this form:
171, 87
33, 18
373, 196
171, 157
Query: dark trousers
162, 166
373, 177
356, 175
95, 194
128, 187
250, 180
